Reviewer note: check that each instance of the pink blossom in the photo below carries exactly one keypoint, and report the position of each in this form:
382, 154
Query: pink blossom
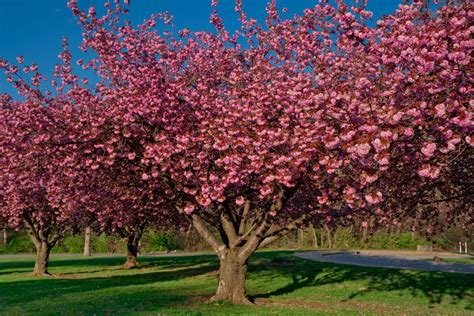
362, 149
408, 131
470, 140
429, 149
240, 200
322, 199
189, 209
440, 110
374, 198
429, 171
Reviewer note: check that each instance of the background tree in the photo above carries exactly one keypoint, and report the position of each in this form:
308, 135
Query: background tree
28, 177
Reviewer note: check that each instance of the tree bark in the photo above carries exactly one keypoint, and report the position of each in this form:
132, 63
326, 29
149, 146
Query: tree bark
43, 250
232, 276
132, 254
5, 236
239, 240
322, 240
300, 238
328, 231
87, 242
315, 237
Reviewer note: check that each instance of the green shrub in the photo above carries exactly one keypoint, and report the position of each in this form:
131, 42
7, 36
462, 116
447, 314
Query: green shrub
107, 244
153, 241
18, 243
69, 244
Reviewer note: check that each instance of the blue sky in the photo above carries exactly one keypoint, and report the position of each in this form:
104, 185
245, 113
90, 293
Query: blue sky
34, 28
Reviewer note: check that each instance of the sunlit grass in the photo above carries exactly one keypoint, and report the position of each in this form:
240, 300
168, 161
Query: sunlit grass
280, 283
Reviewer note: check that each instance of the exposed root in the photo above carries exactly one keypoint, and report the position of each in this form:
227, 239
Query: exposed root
235, 300
130, 265
41, 274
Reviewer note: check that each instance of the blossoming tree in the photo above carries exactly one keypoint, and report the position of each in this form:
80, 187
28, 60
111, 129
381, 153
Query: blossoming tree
257, 131
29, 176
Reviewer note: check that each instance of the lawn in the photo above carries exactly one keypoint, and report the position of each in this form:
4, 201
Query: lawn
460, 260
280, 283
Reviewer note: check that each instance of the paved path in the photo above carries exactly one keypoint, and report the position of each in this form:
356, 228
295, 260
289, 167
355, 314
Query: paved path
391, 259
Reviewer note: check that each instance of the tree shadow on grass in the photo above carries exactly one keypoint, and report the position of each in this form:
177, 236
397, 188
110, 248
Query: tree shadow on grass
27, 289
435, 286
7, 267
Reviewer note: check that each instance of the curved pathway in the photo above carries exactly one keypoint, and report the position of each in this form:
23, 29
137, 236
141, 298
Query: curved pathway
391, 259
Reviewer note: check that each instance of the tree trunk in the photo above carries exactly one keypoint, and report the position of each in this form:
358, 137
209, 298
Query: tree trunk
42, 259
132, 253
315, 237
328, 231
232, 275
237, 245
5, 236
322, 240
87, 242
300, 238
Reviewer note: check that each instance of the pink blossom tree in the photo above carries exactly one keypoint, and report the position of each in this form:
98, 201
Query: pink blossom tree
253, 133
122, 204
38, 140
29, 174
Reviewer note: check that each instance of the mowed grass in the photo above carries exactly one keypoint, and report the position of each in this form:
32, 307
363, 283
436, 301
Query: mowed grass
460, 260
280, 283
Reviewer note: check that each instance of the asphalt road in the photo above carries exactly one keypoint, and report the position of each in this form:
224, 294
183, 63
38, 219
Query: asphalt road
391, 259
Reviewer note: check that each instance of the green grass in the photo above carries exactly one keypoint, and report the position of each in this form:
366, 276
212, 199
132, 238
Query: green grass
460, 260
281, 284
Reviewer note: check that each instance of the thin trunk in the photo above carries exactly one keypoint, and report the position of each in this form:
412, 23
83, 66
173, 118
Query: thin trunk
323, 245
232, 275
315, 237
328, 231
132, 254
87, 242
5, 236
43, 250
300, 238
335, 238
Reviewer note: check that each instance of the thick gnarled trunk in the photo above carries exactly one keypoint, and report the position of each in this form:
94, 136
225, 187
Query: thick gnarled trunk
44, 238
232, 276
132, 235
43, 249
132, 254
240, 238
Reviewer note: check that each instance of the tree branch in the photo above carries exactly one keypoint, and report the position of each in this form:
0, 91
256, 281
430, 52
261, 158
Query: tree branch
208, 236
285, 230
244, 217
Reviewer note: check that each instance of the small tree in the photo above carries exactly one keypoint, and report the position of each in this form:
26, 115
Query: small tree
30, 177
